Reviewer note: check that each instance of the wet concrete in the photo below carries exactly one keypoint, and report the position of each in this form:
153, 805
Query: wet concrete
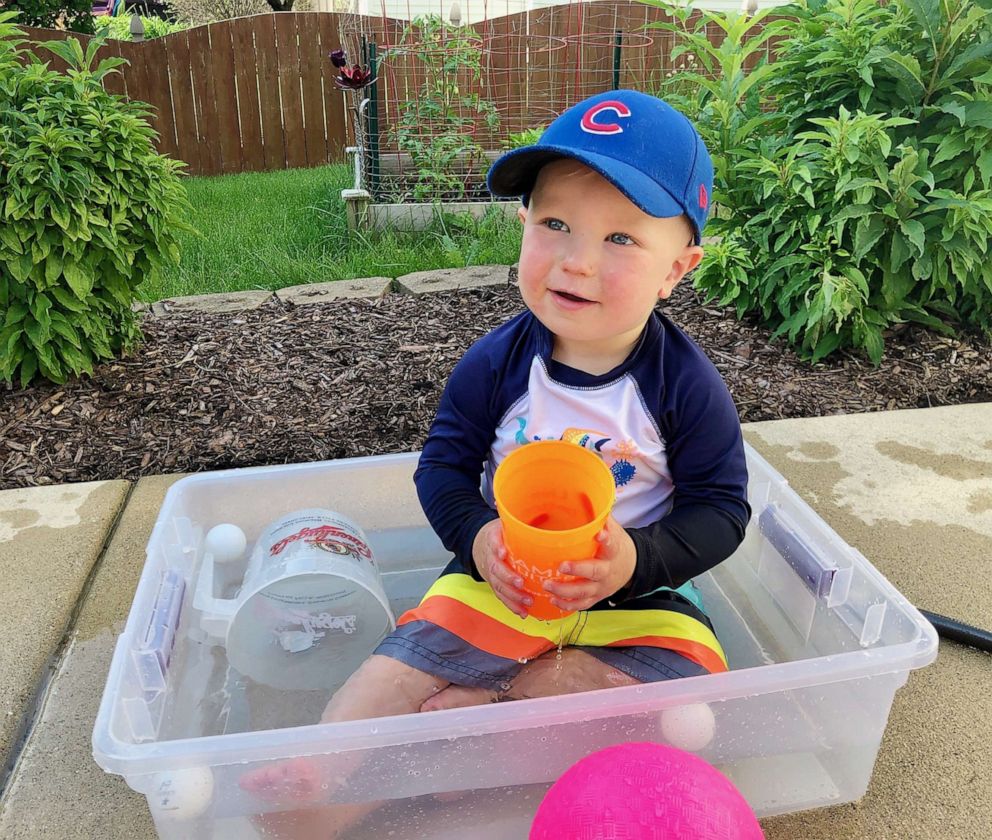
980, 502
50, 537
949, 465
57, 789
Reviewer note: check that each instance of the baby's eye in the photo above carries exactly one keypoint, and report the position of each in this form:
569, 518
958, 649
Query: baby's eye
556, 224
620, 239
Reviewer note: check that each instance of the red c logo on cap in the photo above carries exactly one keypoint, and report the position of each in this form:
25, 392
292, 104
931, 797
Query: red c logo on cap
590, 125
704, 199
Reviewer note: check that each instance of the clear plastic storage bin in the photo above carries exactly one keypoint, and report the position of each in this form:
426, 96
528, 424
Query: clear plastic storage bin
818, 643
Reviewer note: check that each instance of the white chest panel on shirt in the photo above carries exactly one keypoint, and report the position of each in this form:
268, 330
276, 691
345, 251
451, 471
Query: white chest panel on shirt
610, 420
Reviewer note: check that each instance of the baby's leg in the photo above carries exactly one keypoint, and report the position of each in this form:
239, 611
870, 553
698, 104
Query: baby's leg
382, 686
549, 675
570, 672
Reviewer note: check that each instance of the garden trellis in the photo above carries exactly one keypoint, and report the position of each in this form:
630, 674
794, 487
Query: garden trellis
448, 97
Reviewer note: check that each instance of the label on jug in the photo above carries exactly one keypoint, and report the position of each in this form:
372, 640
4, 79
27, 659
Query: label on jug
330, 538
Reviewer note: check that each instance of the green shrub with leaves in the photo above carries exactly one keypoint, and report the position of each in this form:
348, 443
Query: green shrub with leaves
118, 27
74, 15
855, 173
527, 137
716, 92
88, 210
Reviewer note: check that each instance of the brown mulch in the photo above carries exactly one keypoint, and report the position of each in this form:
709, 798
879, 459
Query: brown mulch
286, 384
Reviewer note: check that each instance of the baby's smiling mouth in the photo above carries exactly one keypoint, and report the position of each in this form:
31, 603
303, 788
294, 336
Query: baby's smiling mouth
571, 297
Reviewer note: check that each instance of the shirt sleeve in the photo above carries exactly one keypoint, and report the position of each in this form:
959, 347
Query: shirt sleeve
709, 511
448, 475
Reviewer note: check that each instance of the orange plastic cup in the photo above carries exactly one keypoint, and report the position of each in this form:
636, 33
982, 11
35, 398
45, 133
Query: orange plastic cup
552, 497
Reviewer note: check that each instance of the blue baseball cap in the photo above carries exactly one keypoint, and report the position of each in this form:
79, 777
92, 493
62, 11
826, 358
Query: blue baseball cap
640, 144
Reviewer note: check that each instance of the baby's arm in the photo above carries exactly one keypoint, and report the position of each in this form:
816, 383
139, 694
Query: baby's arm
709, 513
454, 454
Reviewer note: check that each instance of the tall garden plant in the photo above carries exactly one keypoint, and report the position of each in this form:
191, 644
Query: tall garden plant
440, 128
88, 210
864, 197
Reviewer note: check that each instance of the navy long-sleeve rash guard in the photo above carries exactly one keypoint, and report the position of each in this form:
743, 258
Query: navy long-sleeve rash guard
663, 421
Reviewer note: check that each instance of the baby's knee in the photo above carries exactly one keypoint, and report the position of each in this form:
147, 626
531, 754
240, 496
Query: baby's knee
382, 686
458, 697
566, 672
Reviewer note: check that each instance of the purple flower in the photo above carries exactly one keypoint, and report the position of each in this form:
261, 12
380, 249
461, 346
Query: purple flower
353, 78
338, 58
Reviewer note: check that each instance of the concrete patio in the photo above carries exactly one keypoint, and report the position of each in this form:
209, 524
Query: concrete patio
912, 490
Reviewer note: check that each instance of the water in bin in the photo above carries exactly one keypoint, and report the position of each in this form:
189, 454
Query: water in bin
310, 609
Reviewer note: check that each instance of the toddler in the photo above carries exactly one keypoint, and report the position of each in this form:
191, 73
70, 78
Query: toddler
615, 197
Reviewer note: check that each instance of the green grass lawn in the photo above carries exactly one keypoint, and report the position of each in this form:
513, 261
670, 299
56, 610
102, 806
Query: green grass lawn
275, 229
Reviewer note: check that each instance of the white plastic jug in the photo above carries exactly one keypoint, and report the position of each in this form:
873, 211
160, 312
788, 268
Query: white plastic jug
311, 607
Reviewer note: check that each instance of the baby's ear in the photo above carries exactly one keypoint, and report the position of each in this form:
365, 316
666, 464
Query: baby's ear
522, 214
684, 263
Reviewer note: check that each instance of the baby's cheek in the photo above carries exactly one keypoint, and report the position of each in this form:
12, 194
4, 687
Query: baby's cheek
533, 272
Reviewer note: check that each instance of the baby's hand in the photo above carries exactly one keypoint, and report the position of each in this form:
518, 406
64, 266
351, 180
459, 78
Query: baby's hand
490, 555
599, 577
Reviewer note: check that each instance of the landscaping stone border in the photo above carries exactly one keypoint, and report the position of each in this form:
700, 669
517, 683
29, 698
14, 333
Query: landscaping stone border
419, 282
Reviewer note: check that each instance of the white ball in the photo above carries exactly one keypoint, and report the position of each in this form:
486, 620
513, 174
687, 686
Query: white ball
689, 727
182, 794
226, 543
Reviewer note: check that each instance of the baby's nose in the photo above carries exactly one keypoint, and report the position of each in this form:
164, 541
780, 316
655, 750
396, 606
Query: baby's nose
580, 258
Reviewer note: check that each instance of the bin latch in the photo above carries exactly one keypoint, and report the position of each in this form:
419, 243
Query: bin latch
824, 579
155, 649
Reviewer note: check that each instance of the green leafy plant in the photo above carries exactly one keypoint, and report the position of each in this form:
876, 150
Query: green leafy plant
440, 127
88, 211
469, 240
74, 15
118, 27
855, 173
715, 90
527, 137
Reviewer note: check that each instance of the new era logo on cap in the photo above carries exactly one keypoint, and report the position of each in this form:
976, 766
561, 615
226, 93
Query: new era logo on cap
640, 144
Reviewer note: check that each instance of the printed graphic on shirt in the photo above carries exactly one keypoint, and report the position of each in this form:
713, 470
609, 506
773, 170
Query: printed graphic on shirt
611, 421
623, 472
617, 457
586, 438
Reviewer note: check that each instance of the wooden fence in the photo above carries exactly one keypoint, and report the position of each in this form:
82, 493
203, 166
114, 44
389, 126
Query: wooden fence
257, 93
244, 95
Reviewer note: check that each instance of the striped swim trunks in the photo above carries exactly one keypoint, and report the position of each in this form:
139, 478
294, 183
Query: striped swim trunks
463, 633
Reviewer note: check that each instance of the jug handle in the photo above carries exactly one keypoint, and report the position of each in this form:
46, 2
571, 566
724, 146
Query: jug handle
216, 614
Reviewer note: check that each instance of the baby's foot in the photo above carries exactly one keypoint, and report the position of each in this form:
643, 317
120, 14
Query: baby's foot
457, 697
297, 780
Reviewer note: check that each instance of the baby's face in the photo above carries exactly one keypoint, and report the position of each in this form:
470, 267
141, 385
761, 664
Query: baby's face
592, 264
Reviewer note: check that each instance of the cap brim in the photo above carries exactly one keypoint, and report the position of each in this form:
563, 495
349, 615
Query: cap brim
516, 172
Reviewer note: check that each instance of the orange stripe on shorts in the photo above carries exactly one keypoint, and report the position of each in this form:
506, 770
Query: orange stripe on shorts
478, 629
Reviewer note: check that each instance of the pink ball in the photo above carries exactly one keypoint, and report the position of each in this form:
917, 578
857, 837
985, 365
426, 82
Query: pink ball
644, 791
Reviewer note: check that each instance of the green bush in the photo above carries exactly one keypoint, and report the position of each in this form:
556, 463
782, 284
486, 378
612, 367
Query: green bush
74, 15
854, 171
118, 27
89, 210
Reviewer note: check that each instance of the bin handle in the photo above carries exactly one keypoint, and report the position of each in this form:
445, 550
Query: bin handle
154, 652
824, 579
